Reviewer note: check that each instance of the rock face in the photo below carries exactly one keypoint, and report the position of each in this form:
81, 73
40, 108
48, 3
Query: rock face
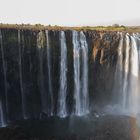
102, 64
30, 58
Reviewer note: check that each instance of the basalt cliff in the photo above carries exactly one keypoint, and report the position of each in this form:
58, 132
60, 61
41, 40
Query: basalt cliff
61, 73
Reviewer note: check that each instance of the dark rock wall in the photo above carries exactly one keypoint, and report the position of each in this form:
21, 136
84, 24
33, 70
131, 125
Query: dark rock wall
102, 60
102, 65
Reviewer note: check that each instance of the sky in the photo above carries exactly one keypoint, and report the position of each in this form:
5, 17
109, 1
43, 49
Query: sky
70, 12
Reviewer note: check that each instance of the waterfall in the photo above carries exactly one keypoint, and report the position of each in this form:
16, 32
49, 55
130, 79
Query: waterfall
133, 88
80, 52
76, 57
40, 43
20, 76
84, 87
129, 73
52, 73
126, 70
119, 69
62, 108
5, 76
51, 104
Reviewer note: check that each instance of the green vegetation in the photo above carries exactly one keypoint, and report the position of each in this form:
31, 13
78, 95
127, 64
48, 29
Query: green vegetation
37, 27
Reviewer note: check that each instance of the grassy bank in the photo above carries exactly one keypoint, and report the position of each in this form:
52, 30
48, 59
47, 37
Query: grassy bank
49, 27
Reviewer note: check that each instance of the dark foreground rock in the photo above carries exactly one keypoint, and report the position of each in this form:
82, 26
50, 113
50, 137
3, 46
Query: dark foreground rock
88, 128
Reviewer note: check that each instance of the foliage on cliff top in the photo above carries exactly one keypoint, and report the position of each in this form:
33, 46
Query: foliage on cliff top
38, 27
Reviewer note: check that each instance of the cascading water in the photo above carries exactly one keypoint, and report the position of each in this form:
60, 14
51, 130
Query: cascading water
133, 87
40, 75
76, 55
62, 108
50, 96
129, 74
21, 81
84, 87
119, 68
80, 52
125, 73
3, 122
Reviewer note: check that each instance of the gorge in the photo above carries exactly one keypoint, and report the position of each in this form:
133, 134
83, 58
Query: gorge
66, 73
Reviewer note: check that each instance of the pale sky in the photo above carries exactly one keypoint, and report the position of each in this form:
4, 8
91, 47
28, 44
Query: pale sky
70, 12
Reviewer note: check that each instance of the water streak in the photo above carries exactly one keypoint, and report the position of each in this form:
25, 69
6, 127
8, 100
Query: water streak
76, 57
80, 54
126, 70
133, 88
40, 43
84, 87
20, 76
51, 106
5, 75
62, 108
119, 68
